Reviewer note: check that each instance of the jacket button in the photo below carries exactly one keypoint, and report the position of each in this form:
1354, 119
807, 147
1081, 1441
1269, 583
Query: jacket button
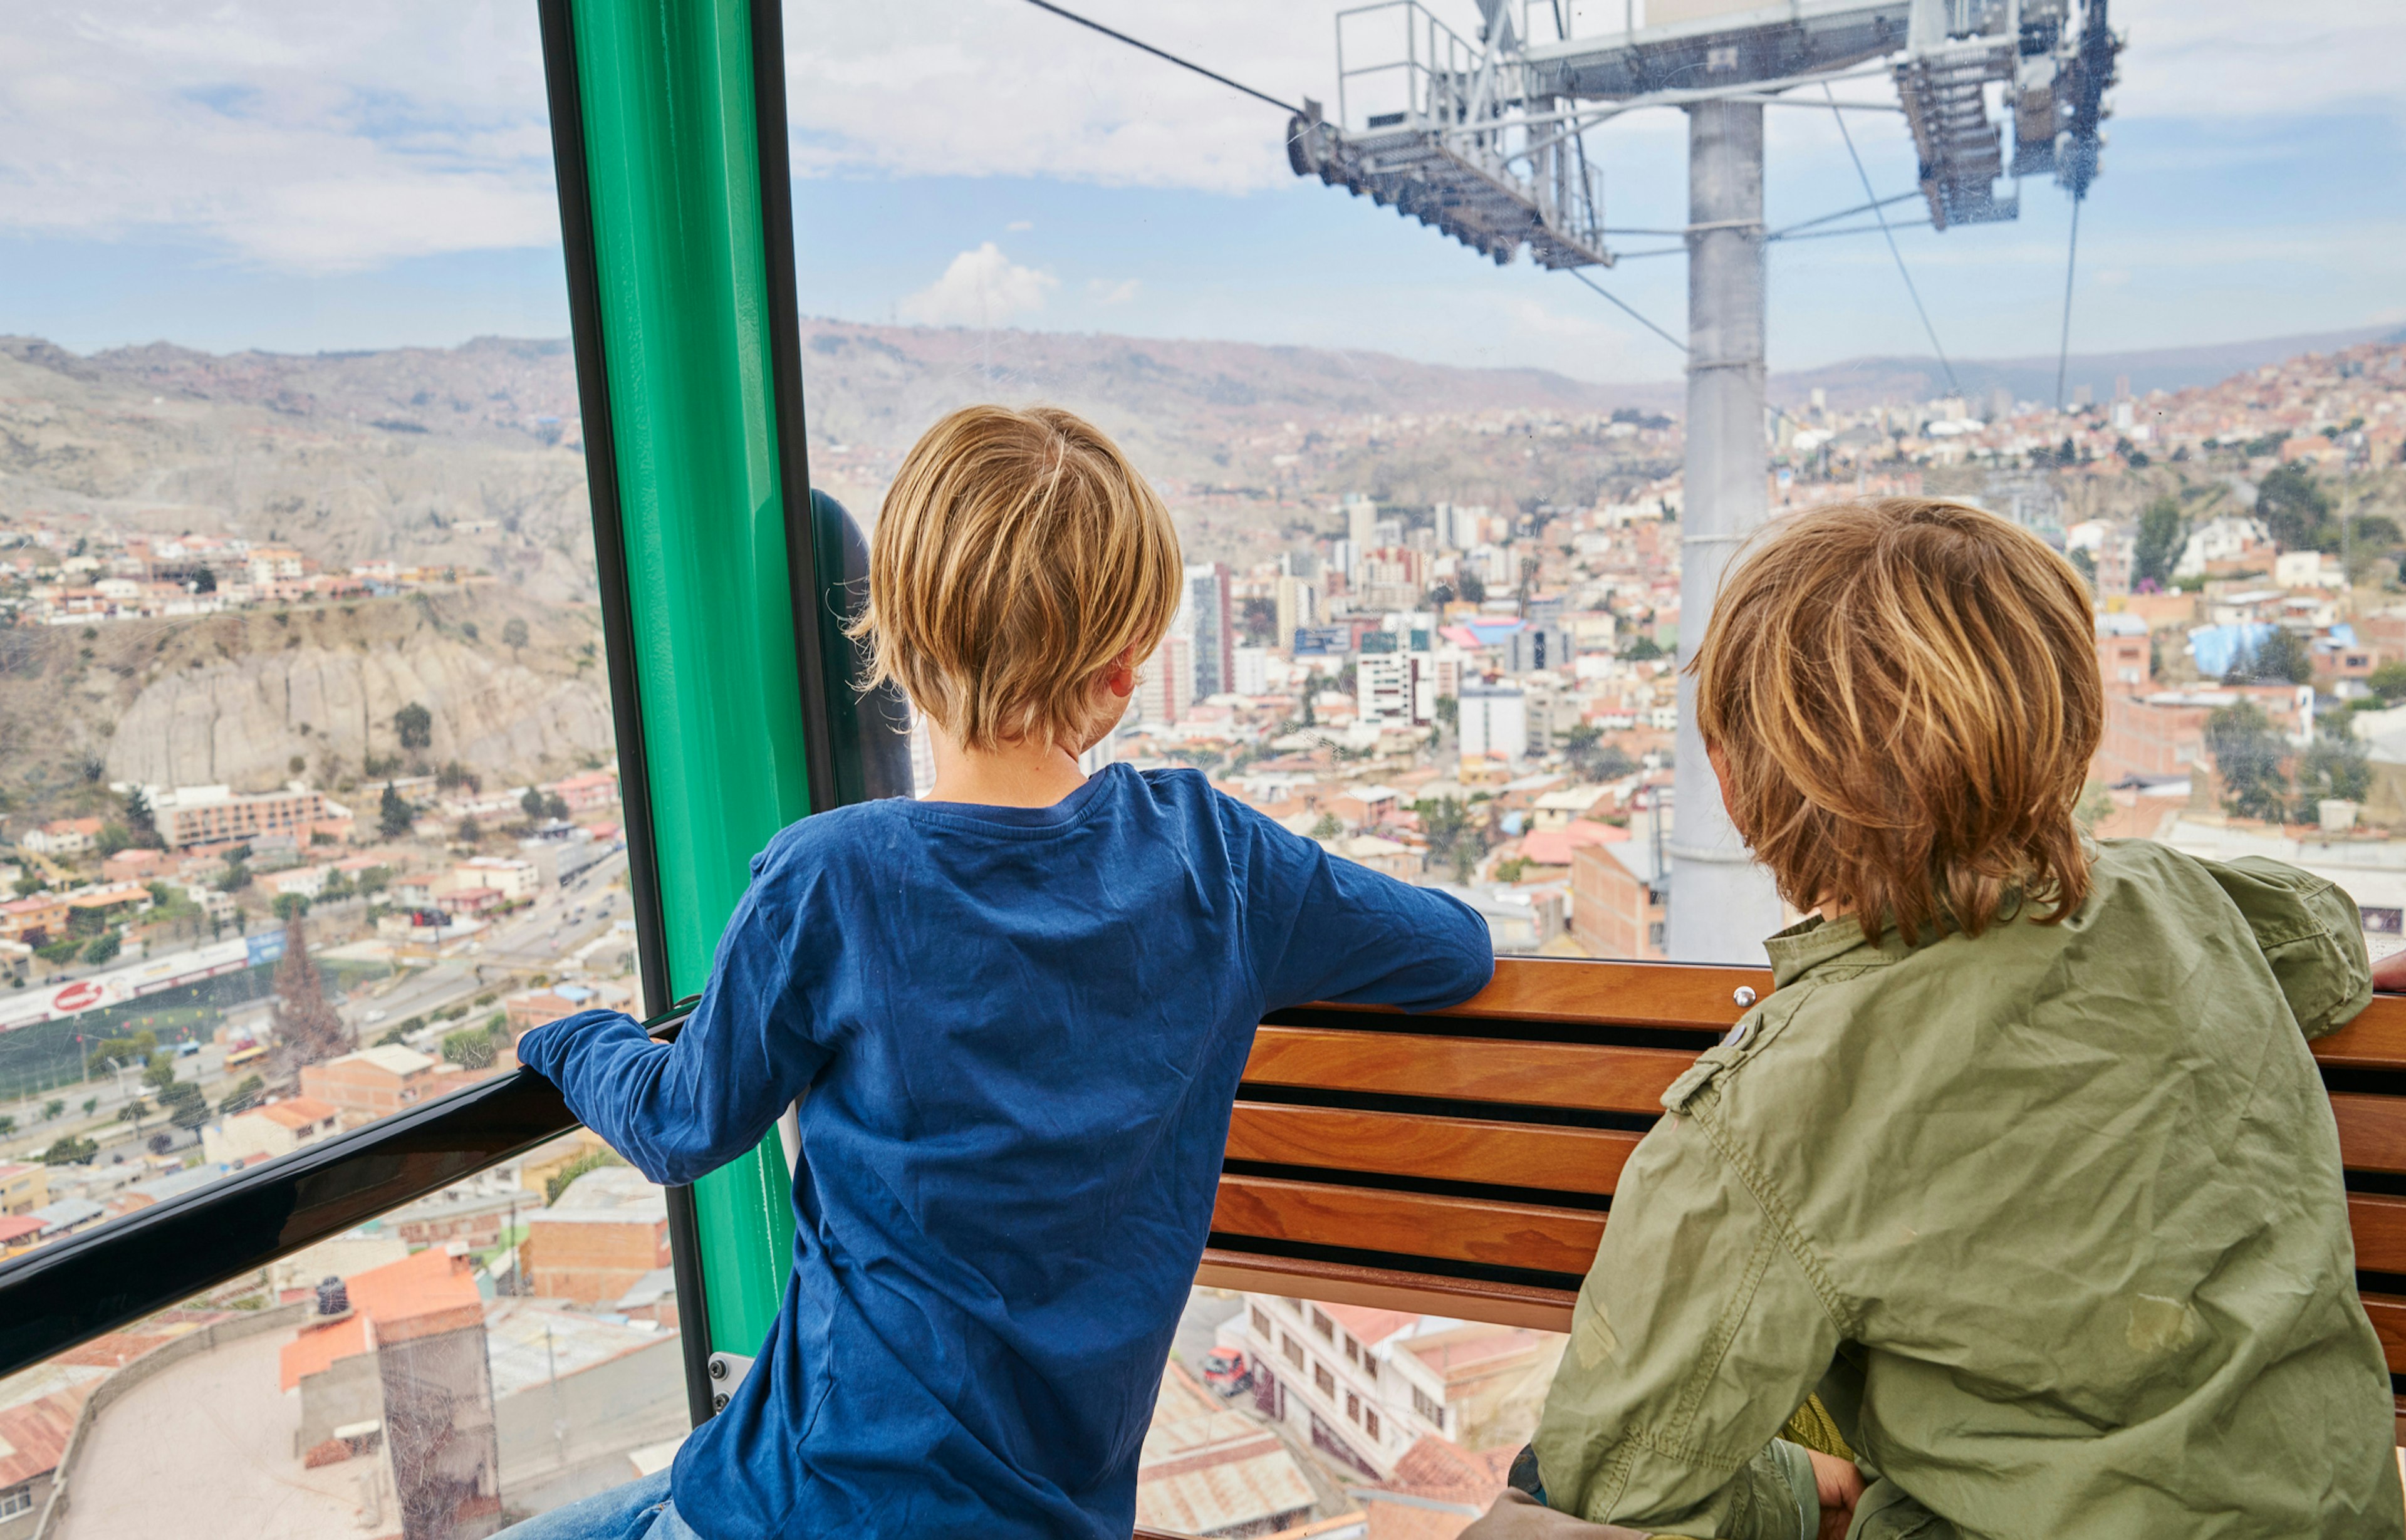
1744, 996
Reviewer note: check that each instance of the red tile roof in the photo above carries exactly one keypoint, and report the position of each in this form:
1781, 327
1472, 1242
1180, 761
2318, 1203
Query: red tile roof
423, 1294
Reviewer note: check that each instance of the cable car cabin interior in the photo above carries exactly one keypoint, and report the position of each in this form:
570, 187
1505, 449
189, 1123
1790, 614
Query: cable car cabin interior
1459, 1165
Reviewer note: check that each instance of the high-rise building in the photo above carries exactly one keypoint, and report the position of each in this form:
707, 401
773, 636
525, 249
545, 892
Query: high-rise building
1206, 618
1166, 684
1298, 605
1361, 521
1493, 722
1393, 690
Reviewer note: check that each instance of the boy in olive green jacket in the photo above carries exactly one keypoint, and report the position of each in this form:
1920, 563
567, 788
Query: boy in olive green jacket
2025, 1164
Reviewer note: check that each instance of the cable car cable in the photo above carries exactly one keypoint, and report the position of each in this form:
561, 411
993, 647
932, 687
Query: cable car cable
1877, 213
2071, 260
1165, 53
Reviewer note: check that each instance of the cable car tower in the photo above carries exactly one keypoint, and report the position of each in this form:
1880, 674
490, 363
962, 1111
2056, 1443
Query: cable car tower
1483, 139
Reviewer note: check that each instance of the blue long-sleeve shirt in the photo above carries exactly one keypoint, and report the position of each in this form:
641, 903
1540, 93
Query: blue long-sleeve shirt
1020, 1031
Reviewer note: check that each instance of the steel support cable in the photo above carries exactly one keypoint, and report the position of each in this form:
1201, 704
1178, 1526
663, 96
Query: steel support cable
2070, 263
1893, 250
1165, 53
1625, 309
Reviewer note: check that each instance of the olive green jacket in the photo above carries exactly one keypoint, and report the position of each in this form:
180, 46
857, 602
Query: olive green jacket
2052, 1217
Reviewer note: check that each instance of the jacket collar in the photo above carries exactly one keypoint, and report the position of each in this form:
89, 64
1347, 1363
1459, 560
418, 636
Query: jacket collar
1808, 944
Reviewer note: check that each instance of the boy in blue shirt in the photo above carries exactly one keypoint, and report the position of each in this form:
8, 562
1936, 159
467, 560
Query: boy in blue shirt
1015, 1014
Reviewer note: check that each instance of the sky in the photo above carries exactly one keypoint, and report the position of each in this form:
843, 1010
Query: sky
292, 175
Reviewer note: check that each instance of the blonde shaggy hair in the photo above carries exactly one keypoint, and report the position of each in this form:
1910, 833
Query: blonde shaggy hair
1905, 695
1017, 556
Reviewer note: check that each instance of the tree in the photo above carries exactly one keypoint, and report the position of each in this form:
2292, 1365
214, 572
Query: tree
237, 875
1471, 587
70, 1150
532, 804
91, 1105
103, 947
8, 1125
2284, 655
513, 636
1592, 758
54, 1110
414, 725
160, 1073
1642, 649
185, 1106
555, 806
474, 1047
133, 1111
2247, 756
2388, 681
244, 1096
291, 906
1327, 827
2331, 769
2086, 565
1456, 834
394, 815
2162, 535
306, 1023
2295, 510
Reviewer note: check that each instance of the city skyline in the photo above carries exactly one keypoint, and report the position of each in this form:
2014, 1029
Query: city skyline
299, 182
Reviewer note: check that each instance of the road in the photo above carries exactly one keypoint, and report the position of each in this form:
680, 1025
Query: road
546, 937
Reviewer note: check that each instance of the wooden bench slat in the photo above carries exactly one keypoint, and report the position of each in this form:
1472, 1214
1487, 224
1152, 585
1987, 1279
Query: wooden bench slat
1403, 1144
1557, 989
1382, 1289
2371, 1131
2388, 1315
2379, 1227
1506, 1235
1532, 1074
2376, 1039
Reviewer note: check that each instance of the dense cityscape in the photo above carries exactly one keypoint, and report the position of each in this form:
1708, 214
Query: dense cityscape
1443, 645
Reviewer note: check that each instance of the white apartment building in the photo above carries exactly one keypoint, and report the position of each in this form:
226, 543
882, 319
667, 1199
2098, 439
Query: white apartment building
1365, 1384
1493, 721
1392, 689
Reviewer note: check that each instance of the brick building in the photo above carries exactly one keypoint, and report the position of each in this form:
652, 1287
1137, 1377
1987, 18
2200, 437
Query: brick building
371, 1083
199, 815
1617, 899
262, 1132
606, 1232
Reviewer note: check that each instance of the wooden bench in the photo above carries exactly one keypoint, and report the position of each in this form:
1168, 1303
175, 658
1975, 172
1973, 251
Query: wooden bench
1463, 1164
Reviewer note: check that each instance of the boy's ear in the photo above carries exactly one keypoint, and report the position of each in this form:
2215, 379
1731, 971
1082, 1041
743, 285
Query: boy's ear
1122, 676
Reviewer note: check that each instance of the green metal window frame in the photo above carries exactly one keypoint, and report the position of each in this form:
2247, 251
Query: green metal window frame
669, 134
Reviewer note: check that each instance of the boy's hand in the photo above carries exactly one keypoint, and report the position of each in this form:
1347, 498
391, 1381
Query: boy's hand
1840, 1486
2389, 973
1518, 1515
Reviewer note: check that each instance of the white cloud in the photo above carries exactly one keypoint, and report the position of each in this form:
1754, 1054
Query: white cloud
997, 88
1103, 291
1016, 226
979, 288
300, 137
293, 135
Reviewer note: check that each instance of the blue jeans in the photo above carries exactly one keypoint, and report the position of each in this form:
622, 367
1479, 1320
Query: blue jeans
640, 1510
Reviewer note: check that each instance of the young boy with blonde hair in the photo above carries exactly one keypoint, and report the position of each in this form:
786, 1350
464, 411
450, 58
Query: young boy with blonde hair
2024, 1166
1015, 1011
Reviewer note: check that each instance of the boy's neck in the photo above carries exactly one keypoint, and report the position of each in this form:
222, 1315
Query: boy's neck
1025, 774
